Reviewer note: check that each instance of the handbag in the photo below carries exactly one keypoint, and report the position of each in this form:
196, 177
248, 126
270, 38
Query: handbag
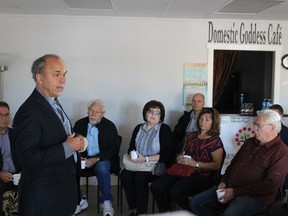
132, 166
180, 170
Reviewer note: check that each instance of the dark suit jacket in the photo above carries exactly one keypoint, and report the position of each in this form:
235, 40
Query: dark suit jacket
108, 139
13, 152
48, 184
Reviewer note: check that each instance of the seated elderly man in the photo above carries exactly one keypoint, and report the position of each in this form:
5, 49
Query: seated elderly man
103, 140
254, 176
9, 162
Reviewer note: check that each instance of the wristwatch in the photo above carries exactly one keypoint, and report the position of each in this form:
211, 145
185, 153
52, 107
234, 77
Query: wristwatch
197, 165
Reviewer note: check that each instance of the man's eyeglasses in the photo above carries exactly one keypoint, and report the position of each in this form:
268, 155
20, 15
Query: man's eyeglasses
255, 124
96, 112
6, 115
152, 112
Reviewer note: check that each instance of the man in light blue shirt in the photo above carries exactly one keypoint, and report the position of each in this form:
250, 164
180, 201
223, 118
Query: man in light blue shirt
103, 147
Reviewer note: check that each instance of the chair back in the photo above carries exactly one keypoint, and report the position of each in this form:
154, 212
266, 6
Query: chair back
115, 161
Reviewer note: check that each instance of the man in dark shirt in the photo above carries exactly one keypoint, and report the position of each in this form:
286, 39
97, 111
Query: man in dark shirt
8, 161
186, 122
254, 176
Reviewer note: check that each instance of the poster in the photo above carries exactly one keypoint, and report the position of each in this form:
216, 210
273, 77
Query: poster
195, 79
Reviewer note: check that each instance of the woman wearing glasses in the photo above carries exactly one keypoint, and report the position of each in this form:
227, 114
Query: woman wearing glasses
152, 141
203, 150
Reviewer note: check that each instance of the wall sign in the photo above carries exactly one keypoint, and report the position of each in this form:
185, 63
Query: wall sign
244, 33
194, 81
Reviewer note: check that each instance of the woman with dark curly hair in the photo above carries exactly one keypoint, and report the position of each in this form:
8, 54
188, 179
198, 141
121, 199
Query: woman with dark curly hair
202, 150
152, 141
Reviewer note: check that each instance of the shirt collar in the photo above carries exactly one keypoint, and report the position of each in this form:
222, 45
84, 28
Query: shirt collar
271, 143
6, 132
51, 100
156, 127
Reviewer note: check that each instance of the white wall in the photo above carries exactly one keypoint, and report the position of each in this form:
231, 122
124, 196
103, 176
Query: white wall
124, 61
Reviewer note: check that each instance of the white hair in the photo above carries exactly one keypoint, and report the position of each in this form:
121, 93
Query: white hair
97, 101
271, 117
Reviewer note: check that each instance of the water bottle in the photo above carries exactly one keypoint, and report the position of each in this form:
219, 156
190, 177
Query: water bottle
264, 104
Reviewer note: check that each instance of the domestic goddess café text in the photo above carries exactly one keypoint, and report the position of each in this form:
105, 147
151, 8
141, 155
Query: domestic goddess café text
246, 34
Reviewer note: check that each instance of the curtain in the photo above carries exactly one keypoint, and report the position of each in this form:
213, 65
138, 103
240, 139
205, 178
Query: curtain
224, 61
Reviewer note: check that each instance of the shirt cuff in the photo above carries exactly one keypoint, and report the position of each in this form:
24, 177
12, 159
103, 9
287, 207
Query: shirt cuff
68, 151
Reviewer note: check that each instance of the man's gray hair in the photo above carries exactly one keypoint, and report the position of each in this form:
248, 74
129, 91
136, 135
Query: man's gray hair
38, 64
97, 101
272, 117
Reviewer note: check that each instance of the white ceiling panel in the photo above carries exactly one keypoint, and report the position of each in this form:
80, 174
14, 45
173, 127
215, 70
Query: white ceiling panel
90, 4
194, 9
52, 7
248, 6
144, 8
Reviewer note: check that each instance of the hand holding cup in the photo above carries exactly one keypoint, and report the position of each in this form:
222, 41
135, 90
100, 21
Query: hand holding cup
220, 194
16, 178
133, 155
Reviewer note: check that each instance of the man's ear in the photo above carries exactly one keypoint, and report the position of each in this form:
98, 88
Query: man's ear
39, 78
273, 127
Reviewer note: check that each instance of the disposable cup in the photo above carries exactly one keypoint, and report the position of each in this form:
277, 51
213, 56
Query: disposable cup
133, 155
186, 156
83, 164
220, 193
16, 178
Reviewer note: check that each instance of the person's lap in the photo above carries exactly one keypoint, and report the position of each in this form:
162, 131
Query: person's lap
241, 205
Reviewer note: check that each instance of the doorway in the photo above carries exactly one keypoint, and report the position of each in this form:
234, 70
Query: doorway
250, 81
274, 51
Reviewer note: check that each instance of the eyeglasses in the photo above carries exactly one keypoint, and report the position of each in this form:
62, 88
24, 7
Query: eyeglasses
96, 112
259, 125
152, 112
6, 115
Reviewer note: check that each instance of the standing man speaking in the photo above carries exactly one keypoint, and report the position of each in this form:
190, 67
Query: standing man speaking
47, 148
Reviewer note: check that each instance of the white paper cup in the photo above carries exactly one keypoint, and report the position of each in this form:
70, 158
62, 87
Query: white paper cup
186, 156
83, 164
220, 193
16, 178
133, 155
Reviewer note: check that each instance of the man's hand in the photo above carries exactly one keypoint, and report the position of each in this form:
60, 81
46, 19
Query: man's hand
229, 195
76, 143
91, 161
5, 176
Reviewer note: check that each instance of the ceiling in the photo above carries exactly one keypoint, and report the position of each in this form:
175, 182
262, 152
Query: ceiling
188, 9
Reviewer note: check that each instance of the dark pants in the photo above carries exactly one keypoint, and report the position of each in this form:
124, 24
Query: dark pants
169, 188
3, 188
207, 204
136, 189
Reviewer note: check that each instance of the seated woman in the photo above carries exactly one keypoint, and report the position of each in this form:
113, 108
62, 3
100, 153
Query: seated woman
152, 141
206, 150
